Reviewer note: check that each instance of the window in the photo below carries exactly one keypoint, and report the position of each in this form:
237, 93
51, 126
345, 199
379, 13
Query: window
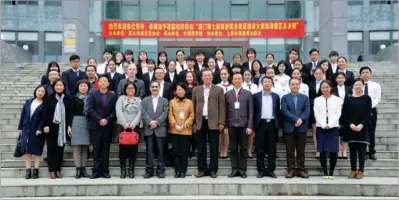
53, 3
31, 2
53, 44
354, 2
8, 36
112, 10
379, 40
239, 12
355, 44
293, 10
167, 12
239, 2
29, 39
275, 11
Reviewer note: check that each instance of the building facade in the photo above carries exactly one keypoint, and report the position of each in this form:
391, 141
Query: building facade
348, 26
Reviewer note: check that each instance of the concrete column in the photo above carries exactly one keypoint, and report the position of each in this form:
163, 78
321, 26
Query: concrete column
77, 12
308, 40
333, 29
366, 32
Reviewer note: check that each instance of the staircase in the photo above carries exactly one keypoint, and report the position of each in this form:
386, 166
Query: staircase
380, 182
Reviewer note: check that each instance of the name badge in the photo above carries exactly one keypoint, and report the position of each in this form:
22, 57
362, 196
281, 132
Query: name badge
237, 105
181, 115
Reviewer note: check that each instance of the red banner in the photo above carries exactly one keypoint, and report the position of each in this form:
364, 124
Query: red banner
204, 29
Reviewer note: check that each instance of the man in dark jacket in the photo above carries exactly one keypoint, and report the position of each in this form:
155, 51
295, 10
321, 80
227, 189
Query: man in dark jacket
72, 75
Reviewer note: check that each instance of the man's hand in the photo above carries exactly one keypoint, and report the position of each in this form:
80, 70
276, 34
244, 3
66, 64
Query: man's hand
153, 124
221, 127
103, 122
38, 133
226, 131
249, 131
69, 131
359, 127
46, 129
298, 123
327, 127
20, 132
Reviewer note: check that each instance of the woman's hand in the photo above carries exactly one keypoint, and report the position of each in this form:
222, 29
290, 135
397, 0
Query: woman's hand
69, 131
20, 132
46, 129
127, 126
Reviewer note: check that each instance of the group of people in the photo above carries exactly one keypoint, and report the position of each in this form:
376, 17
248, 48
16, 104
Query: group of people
190, 103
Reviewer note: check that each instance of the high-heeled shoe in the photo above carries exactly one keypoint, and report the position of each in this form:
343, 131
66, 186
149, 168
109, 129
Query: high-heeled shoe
28, 174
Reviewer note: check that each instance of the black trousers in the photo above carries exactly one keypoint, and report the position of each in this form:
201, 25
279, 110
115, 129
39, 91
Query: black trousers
150, 142
101, 138
55, 153
193, 143
181, 148
372, 126
213, 139
238, 148
333, 162
128, 152
295, 141
266, 141
356, 149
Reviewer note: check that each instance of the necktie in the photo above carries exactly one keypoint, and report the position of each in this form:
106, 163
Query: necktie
77, 73
106, 69
366, 88
249, 86
314, 64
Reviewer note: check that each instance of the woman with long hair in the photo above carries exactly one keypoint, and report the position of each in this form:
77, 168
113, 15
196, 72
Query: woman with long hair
281, 78
163, 61
328, 72
256, 72
181, 62
142, 64
119, 59
30, 129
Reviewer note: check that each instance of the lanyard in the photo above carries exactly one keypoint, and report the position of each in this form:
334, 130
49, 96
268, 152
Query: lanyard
238, 94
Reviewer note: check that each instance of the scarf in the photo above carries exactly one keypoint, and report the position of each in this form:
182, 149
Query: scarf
60, 119
84, 99
181, 99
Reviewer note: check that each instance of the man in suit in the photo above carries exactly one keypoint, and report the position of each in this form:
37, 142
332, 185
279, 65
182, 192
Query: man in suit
210, 116
113, 76
190, 61
104, 68
266, 124
350, 77
148, 77
101, 112
132, 71
293, 55
239, 107
72, 75
251, 55
295, 108
200, 65
313, 64
155, 114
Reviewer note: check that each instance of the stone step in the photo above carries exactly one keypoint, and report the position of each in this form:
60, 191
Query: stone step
140, 162
380, 187
309, 153
205, 198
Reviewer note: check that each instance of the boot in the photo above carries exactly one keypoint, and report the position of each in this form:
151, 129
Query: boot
131, 171
77, 176
28, 174
83, 173
123, 171
360, 175
35, 173
352, 175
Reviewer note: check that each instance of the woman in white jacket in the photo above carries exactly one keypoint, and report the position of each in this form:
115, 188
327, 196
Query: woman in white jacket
327, 111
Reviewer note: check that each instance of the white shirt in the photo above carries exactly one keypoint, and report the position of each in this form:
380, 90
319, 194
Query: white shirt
374, 91
179, 68
327, 109
207, 91
171, 76
119, 68
34, 105
267, 106
318, 83
226, 86
161, 84
281, 80
200, 65
253, 88
101, 68
334, 67
150, 74
303, 89
155, 103
220, 63
341, 92
112, 74
249, 64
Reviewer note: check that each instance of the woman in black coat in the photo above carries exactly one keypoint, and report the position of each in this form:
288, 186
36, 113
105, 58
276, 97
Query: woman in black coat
55, 126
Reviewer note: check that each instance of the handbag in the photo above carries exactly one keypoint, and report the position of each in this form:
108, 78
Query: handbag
128, 137
18, 152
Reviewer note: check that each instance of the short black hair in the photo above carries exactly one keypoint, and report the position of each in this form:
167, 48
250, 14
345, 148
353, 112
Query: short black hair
289, 82
127, 84
313, 50
107, 50
180, 51
45, 91
182, 85
365, 68
269, 54
294, 50
74, 57
206, 70
166, 55
190, 58
267, 77
221, 51
199, 52
128, 52
340, 73
91, 59
82, 81
356, 80
152, 82
333, 53
212, 58
236, 54
55, 83
103, 76
342, 57
239, 73
236, 65
95, 68
50, 64
251, 50
151, 61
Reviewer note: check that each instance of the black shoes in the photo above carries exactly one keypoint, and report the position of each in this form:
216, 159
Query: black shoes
271, 175
260, 175
83, 173
131, 171
95, 175
372, 157
78, 173
161, 175
35, 174
233, 174
148, 175
28, 174
243, 174
123, 171
105, 175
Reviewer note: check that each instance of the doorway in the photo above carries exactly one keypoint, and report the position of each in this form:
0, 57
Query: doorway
190, 48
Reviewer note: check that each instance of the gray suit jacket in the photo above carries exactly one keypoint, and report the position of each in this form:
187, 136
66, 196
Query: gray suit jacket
140, 92
160, 116
242, 117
